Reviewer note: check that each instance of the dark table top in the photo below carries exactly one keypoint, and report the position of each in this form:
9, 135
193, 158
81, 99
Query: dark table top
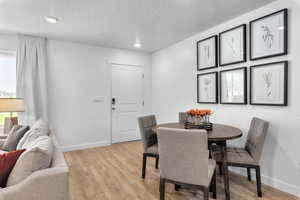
220, 132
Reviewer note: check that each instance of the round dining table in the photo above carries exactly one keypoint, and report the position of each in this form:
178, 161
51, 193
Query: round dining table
219, 135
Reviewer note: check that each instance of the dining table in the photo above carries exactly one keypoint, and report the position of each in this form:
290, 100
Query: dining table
219, 135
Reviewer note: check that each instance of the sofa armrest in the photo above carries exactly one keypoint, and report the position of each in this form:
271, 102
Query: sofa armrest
47, 184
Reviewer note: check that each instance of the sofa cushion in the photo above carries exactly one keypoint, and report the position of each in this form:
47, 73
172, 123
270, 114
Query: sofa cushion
4, 136
40, 124
7, 162
32, 135
37, 156
14, 136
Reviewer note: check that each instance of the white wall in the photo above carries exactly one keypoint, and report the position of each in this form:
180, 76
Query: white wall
174, 89
8, 42
78, 74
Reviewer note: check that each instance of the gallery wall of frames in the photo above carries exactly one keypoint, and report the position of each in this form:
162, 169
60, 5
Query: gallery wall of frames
268, 37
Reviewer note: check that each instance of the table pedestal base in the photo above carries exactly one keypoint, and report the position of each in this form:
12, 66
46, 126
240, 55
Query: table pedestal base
223, 149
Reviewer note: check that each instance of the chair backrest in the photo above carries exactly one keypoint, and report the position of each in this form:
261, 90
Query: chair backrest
256, 137
146, 123
183, 117
183, 155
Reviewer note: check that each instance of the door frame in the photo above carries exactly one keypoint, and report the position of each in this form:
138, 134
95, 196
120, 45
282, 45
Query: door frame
110, 64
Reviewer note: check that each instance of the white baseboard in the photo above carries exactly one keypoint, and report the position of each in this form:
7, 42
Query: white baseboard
273, 182
281, 185
85, 146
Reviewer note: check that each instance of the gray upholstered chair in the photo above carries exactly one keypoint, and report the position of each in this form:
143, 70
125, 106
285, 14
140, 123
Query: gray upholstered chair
183, 117
249, 156
149, 138
184, 160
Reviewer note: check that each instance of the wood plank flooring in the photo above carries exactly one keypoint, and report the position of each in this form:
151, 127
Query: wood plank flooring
114, 173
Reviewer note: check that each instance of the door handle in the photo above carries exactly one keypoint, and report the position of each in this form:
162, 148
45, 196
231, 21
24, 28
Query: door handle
113, 103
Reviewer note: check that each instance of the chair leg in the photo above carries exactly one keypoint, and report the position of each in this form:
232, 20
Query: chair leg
162, 189
214, 185
177, 187
210, 151
205, 193
249, 174
258, 182
144, 166
220, 169
156, 162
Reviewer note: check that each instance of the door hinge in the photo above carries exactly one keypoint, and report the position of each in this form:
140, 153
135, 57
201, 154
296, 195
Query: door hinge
143, 103
143, 76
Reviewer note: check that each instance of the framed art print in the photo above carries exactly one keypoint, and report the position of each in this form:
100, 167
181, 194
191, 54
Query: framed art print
233, 45
207, 88
233, 86
269, 35
268, 84
207, 53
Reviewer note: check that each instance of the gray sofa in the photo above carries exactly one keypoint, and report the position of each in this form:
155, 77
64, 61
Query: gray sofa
46, 184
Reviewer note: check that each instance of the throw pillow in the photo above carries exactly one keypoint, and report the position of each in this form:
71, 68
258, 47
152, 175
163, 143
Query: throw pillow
40, 124
32, 135
14, 137
38, 156
7, 162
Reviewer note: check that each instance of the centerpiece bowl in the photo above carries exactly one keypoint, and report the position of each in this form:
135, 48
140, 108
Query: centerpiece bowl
198, 119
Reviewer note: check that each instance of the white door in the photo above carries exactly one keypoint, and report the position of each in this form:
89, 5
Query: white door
127, 102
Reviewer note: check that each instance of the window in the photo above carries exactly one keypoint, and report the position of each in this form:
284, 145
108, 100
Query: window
7, 78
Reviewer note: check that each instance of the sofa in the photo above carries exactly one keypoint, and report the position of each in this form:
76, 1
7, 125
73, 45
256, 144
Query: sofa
51, 183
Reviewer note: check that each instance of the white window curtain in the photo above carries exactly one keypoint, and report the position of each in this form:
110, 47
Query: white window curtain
31, 78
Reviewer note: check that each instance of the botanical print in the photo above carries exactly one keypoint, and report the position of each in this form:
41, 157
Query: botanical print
232, 46
267, 36
207, 88
233, 86
206, 53
230, 42
207, 83
267, 84
267, 77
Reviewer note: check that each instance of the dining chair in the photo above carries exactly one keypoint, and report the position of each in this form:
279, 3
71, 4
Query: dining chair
183, 117
184, 160
249, 156
149, 138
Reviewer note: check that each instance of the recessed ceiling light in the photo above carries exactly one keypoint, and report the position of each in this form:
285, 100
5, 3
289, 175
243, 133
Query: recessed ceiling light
137, 44
51, 19
281, 27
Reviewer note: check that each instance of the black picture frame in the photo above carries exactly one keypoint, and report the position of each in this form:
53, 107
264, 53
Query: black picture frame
244, 59
285, 83
215, 37
244, 87
285, 37
217, 88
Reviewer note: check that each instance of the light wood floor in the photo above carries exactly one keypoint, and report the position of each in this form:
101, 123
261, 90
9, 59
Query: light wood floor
114, 173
